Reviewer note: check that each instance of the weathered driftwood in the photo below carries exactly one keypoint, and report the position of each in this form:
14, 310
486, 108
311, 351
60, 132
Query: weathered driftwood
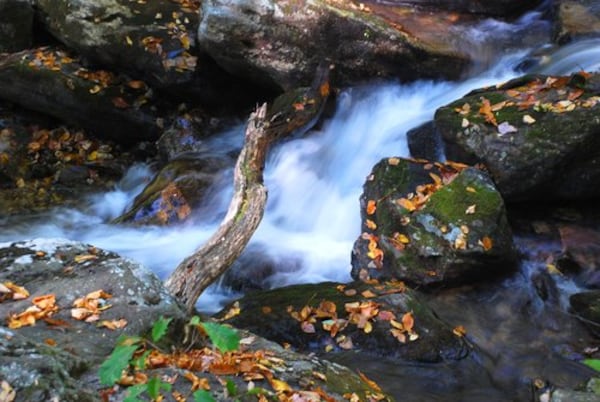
196, 272
291, 113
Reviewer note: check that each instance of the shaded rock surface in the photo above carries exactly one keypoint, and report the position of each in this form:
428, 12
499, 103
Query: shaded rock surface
176, 190
16, 25
335, 317
496, 8
431, 224
537, 135
52, 82
150, 40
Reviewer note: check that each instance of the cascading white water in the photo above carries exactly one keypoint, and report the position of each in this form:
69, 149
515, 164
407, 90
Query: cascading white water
314, 185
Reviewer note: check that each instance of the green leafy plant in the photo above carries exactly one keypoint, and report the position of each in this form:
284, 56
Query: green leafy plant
593, 363
123, 358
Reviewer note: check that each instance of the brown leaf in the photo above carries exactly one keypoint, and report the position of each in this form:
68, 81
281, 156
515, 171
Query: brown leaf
113, 324
486, 111
408, 321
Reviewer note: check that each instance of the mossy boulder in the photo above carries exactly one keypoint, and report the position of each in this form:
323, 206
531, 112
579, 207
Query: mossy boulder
537, 135
384, 319
431, 224
576, 20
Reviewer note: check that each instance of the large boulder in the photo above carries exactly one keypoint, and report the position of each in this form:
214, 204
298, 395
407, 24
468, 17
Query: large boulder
151, 40
537, 135
499, 8
16, 25
382, 319
58, 345
52, 350
431, 224
53, 82
280, 44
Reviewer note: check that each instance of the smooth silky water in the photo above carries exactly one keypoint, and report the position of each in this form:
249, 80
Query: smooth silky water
313, 218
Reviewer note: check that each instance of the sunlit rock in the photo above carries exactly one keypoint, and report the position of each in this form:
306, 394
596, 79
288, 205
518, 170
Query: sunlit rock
537, 135
279, 43
431, 224
576, 20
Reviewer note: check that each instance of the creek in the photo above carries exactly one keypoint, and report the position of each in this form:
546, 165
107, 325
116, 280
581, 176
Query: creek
312, 220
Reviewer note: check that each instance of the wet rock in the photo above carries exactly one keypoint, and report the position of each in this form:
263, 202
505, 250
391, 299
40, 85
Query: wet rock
43, 164
581, 252
382, 319
500, 8
576, 20
424, 142
50, 81
176, 190
50, 358
537, 135
16, 25
431, 224
280, 44
587, 306
151, 40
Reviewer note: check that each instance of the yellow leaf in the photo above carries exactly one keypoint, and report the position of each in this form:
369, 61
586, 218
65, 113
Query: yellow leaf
402, 238
113, 324
128, 40
406, 204
393, 161
486, 111
280, 386
233, 311
470, 209
527, 119
370, 224
368, 294
372, 384
471, 190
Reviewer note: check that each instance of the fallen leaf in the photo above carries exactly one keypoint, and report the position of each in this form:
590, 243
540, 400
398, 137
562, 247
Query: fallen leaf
459, 331
393, 161
471, 209
372, 384
406, 204
527, 119
486, 243
368, 294
280, 386
506, 128
370, 224
113, 324
307, 327
233, 311
408, 321
371, 207
486, 111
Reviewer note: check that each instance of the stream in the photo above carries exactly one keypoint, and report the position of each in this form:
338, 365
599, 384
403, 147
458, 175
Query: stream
312, 220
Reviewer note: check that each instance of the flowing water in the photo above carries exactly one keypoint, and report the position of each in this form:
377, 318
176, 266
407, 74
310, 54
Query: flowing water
313, 218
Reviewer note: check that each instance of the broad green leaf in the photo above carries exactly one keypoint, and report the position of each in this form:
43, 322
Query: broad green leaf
155, 384
259, 391
593, 363
203, 396
111, 369
224, 338
160, 328
134, 391
231, 388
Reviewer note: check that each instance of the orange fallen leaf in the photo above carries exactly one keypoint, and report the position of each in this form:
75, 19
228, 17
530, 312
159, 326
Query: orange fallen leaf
486, 111
459, 331
406, 204
408, 321
280, 386
113, 324
486, 243
368, 294
371, 207
372, 384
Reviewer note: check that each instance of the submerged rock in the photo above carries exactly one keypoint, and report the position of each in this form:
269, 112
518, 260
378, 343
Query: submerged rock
537, 135
431, 224
384, 319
